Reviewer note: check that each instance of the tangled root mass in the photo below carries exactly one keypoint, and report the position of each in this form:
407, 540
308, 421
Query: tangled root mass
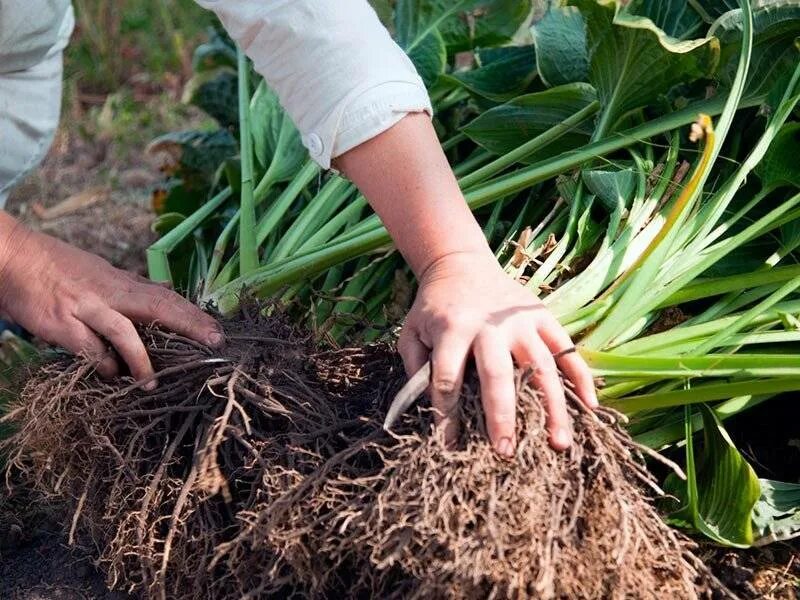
261, 470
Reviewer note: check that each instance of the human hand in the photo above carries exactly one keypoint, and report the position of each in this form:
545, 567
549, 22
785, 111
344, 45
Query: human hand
74, 299
467, 304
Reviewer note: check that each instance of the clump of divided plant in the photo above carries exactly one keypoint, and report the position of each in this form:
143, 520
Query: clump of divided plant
262, 470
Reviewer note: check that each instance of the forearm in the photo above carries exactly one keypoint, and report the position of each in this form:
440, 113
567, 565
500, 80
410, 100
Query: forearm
12, 234
405, 177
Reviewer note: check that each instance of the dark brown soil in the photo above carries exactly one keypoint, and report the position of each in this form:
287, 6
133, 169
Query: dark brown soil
35, 561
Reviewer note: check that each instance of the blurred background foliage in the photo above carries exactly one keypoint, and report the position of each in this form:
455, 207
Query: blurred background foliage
117, 41
126, 66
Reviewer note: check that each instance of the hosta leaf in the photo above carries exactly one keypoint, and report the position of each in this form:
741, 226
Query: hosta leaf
776, 515
383, 8
510, 125
485, 23
561, 52
711, 10
779, 167
504, 73
463, 24
198, 152
218, 51
614, 188
776, 27
216, 92
677, 18
632, 62
721, 488
276, 141
429, 57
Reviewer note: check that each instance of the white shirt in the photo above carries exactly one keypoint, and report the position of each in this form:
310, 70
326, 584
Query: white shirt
336, 70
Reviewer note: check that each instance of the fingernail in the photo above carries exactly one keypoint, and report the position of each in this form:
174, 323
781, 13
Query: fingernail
562, 438
593, 402
150, 386
214, 338
506, 448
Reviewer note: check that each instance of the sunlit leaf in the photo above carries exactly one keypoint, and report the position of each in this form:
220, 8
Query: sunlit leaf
632, 62
776, 515
721, 488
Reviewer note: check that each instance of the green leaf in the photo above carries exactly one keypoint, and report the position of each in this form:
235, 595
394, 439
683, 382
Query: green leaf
16, 356
776, 27
504, 72
632, 62
561, 52
721, 488
486, 23
219, 51
677, 18
199, 152
165, 223
776, 514
383, 8
429, 57
508, 126
779, 165
276, 141
614, 188
463, 24
216, 92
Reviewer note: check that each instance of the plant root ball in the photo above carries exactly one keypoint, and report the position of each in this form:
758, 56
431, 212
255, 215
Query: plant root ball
261, 470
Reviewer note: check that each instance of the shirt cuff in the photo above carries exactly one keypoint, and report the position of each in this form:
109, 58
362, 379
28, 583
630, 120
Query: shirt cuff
375, 111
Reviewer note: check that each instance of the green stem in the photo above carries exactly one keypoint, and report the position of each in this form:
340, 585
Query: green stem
248, 250
158, 253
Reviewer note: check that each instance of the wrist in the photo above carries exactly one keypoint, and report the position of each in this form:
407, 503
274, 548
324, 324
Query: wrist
13, 237
467, 260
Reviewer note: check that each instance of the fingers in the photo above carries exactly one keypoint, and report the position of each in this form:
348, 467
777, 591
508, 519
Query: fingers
144, 280
80, 340
149, 303
571, 363
533, 352
414, 353
448, 361
122, 334
496, 372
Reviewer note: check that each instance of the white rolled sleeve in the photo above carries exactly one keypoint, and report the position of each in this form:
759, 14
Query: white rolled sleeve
336, 70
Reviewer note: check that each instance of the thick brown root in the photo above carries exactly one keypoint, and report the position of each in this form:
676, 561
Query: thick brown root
262, 470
